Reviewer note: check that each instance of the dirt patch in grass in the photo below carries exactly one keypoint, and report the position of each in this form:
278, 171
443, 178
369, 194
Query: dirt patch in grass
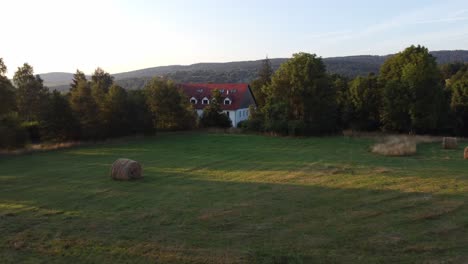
439, 209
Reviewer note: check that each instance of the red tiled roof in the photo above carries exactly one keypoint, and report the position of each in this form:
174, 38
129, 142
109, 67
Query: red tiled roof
237, 92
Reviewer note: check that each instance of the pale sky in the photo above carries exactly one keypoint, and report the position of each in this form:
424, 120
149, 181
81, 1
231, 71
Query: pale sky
62, 36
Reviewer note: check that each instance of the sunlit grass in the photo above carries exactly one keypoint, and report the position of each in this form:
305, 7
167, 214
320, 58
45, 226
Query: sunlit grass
214, 198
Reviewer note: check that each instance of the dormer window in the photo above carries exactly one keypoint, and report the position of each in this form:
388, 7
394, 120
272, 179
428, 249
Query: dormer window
205, 101
193, 100
227, 101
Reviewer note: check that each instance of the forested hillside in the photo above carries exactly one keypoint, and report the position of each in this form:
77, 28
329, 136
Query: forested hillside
243, 71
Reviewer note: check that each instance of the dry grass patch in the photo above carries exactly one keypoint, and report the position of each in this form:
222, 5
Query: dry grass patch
396, 146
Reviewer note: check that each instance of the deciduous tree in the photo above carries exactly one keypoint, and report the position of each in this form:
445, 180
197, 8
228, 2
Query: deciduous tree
364, 97
30, 94
415, 74
459, 101
169, 106
301, 96
212, 115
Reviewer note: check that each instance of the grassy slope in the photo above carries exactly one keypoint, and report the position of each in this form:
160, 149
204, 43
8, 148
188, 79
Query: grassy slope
236, 198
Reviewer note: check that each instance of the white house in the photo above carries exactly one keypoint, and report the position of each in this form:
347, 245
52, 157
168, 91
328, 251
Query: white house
237, 97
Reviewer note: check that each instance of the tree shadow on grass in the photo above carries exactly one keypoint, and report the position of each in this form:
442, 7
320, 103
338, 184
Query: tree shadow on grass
169, 218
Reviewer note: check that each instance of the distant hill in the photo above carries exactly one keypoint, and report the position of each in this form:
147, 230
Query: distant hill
242, 71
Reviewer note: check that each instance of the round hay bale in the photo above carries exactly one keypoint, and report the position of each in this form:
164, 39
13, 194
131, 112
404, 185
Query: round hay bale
126, 169
466, 153
449, 143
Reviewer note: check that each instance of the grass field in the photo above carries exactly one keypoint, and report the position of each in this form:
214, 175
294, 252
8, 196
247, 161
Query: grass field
214, 198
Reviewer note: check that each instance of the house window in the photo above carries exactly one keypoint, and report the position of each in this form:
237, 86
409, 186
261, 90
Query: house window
227, 101
193, 100
205, 101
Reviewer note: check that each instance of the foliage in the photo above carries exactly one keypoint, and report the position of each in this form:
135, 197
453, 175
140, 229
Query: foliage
77, 77
57, 121
115, 117
449, 69
264, 79
247, 71
30, 94
169, 105
7, 93
364, 99
212, 115
459, 101
101, 81
417, 84
395, 107
300, 99
255, 122
85, 110
140, 116
12, 133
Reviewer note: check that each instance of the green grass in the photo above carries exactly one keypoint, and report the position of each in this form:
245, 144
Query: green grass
214, 198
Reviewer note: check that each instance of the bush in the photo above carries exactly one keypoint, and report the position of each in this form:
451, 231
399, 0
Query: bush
214, 119
33, 131
251, 125
296, 128
243, 124
12, 134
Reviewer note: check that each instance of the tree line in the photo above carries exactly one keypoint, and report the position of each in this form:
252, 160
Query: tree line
94, 109
410, 94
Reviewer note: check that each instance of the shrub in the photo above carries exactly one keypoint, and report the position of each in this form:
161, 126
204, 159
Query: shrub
12, 134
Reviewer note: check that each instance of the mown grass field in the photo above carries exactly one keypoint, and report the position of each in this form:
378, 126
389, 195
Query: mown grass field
214, 198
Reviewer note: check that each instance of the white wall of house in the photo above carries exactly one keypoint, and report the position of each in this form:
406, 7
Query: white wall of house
241, 115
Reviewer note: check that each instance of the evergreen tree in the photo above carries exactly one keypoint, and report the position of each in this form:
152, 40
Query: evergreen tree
7, 93
58, 123
77, 77
264, 79
85, 110
12, 134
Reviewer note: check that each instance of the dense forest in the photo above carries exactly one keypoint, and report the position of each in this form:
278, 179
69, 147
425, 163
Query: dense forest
409, 93
243, 71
